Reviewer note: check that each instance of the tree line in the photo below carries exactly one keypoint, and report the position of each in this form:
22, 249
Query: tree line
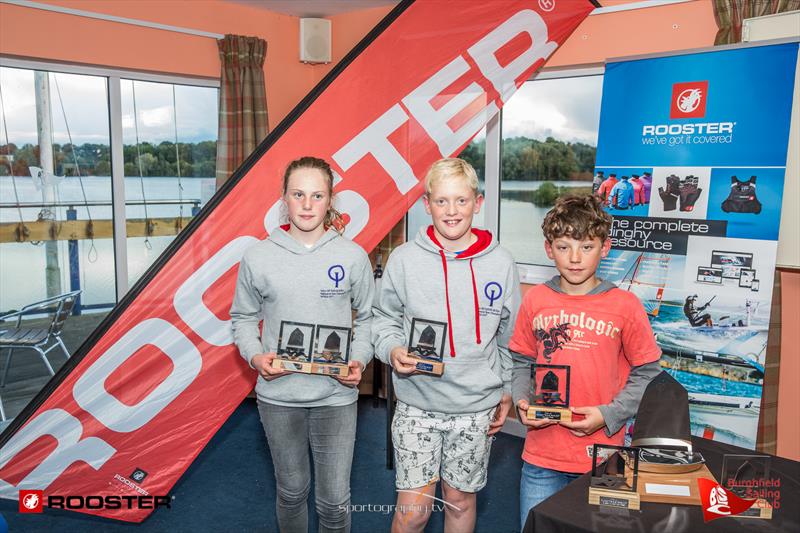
196, 159
522, 159
527, 159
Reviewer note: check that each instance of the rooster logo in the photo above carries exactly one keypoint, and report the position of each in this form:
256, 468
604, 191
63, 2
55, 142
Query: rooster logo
31, 501
553, 339
689, 99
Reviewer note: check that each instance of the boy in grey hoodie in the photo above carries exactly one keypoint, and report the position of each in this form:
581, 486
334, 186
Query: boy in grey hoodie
306, 272
457, 275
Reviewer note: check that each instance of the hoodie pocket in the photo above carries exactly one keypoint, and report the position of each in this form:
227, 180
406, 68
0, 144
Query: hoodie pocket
472, 379
495, 380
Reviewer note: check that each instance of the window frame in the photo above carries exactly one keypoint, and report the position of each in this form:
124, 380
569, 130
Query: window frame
113, 88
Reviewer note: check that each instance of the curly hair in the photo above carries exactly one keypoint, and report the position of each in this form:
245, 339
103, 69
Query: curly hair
577, 217
333, 218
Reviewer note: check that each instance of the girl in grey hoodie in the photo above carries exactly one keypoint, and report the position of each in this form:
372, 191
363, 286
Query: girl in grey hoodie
306, 272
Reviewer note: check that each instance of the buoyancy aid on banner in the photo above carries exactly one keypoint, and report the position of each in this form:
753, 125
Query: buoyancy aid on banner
742, 198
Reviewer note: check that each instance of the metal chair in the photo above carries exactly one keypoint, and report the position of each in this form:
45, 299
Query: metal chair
40, 339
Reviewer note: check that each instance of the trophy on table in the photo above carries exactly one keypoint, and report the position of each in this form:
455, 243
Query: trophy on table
426, 345
294, 347
668, 466
550, 387
332, 353
615, 472
748, 476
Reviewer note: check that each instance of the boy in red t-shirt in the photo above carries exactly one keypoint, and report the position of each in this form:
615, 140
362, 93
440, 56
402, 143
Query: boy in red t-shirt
608, 345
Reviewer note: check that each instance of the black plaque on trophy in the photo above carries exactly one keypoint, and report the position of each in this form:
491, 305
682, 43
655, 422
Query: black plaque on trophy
748, 476
550, 393
294, 346
426, 345
615, 472
332, 352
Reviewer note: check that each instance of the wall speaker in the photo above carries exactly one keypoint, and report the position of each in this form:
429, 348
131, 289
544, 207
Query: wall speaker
315, 40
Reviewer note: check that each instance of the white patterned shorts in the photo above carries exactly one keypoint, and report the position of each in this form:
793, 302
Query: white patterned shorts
428, 445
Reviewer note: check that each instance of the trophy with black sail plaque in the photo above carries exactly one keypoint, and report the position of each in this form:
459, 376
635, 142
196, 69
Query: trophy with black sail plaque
426, 345
332, 353
748, 476
294, 347
615, 473
550, 387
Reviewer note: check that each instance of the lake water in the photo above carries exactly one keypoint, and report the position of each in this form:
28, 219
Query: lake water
22, 276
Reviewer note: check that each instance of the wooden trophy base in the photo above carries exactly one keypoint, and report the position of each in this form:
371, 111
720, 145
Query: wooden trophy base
673, 488
328, 369
429, 367
537, 412
761, 509
614, 498
291, 366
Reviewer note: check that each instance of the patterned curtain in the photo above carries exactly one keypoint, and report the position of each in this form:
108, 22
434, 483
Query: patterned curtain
242, 102
729, 15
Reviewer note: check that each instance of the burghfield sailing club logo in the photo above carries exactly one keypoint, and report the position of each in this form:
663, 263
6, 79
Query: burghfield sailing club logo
336, 273
493, 291
689, 99
718, 503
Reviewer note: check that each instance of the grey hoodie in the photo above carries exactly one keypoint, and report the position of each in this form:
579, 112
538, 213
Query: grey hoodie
281, 279
477, 294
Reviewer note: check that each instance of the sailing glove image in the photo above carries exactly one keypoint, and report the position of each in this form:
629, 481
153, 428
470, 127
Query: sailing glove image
671, 194
689, 192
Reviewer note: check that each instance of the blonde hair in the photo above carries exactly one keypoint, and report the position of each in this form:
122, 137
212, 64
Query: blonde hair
451, 167
333, 219
578, 217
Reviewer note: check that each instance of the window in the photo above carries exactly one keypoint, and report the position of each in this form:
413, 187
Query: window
57, 226
549, 141
542, 146
169, 133
71, 143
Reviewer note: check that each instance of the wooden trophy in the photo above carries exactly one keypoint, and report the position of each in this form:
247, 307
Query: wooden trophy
332, 353
615, 472
426, 345
550, 399
294, 347
668, 468
670, 475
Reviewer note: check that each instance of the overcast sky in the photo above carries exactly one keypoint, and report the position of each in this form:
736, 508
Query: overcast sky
567, 109
86, 106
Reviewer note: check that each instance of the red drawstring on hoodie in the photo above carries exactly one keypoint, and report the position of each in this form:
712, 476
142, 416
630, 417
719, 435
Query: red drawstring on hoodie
477, 308
484, 239
447, 300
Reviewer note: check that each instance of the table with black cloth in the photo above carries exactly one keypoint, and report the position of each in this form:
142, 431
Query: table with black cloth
569, 509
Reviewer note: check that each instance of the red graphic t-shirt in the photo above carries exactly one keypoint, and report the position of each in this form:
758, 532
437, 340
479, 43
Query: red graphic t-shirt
600, 337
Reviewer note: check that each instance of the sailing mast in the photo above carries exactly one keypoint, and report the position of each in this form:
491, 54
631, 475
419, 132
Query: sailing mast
44, 131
